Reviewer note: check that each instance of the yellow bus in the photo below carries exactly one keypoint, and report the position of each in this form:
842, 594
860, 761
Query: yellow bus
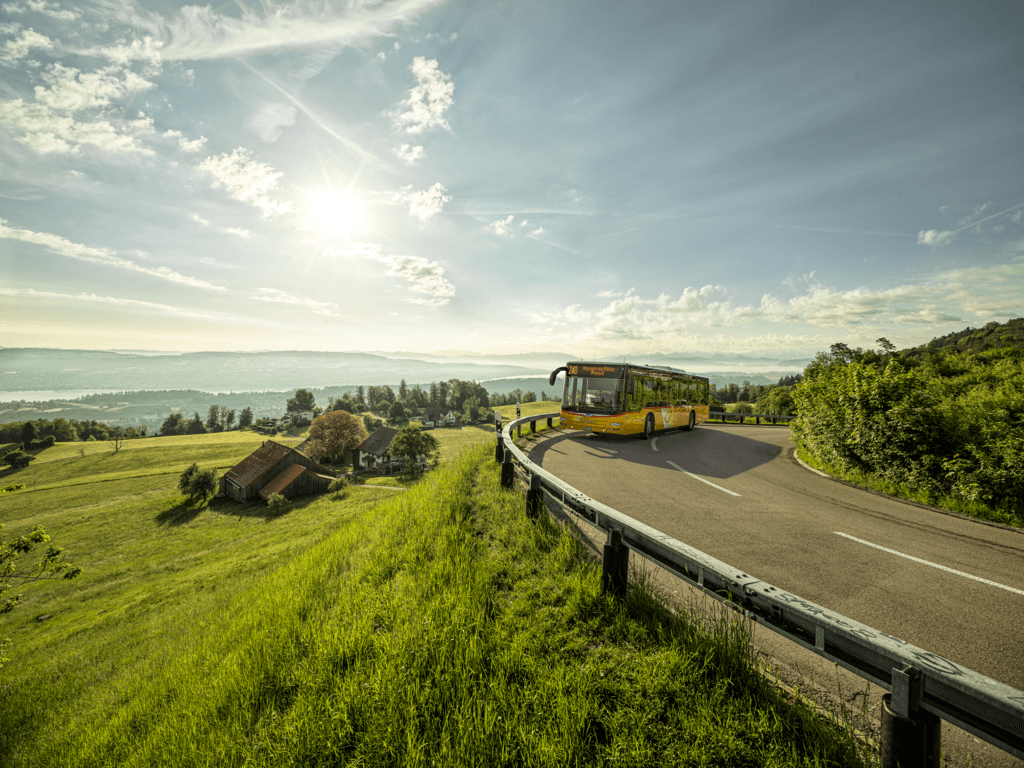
628, 399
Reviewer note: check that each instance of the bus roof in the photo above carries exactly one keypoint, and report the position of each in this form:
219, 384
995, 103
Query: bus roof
637, 367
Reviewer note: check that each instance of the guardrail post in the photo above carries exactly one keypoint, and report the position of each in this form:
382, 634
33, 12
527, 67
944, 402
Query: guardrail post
499, 450
533, 425
758, 418
910, 736
507, 471
549, 423
615, 565
534, 498
520, 430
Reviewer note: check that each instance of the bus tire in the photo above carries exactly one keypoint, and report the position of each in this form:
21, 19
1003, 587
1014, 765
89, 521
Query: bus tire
693, 422
649, 427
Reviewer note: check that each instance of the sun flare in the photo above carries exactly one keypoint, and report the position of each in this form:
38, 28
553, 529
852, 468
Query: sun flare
336, 212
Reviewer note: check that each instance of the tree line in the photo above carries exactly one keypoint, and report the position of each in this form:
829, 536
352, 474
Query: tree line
937, 420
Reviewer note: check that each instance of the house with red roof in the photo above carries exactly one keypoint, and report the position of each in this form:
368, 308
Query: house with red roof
275, 468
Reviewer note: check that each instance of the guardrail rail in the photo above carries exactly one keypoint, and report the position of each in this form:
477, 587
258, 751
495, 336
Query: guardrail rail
923, 688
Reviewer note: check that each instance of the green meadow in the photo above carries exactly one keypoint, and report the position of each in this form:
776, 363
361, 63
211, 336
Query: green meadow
435, 626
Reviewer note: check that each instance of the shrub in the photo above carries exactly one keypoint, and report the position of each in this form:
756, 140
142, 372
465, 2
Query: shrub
18, 459
277, 502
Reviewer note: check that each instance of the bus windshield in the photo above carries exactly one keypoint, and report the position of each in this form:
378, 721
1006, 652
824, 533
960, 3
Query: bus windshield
592, 395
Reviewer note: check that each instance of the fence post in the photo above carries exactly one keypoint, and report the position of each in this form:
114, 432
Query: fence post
534, 498
758, 418
549, 423
520, 432
507, 470
615, 565
910, 736
499, 450
533, 425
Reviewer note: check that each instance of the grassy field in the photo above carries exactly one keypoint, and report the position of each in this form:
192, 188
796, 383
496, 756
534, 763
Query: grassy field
432, 627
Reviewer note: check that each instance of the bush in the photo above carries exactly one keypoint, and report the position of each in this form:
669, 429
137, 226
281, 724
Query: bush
18, 459
276, 502
338, 486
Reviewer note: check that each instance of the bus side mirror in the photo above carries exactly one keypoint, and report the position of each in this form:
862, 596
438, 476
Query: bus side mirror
554, 375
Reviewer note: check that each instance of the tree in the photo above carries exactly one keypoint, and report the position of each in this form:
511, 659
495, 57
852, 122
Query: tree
886, 346
371, 424
173, 425
195, 426
117, 438
303, 401
277, 502
53, 564
18, 459
397, 414
403, 391
213, 418
229, 419
245, 418
337, 487
412, 442
197, 482
361, 395
334, 433
343, 405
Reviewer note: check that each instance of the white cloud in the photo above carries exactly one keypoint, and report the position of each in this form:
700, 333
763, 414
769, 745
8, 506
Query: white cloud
246, 180
53, 10
72, 90
243, 233
1016, 216
934, 237
270, 119
429, 99
427, 277
102, 256
192, 146
200, 219
278, 296
428, 202
15, 50
537, 231
503, 227
108, 300
411, 154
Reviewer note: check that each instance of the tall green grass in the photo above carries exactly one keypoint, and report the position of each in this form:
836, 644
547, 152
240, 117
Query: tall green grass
439, 627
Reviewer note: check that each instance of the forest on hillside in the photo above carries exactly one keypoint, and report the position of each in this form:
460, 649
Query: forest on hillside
944, 420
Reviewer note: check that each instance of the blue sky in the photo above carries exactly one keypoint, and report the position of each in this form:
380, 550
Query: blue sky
599, 178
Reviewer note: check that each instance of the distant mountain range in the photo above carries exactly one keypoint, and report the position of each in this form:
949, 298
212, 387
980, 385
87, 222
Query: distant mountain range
31, 369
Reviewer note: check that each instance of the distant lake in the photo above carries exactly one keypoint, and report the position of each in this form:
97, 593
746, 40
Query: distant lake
42, 395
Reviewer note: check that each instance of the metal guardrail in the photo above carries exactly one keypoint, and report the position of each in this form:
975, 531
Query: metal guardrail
923, 687
725, 416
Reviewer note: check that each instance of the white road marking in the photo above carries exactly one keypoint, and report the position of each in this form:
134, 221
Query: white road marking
702, 479
653, 441
601, 448
933, 565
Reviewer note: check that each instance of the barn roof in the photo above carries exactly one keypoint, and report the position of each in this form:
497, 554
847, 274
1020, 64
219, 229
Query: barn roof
282, 481
257, 462
379, 442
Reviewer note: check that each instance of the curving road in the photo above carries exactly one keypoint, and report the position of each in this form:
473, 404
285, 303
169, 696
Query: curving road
942, 582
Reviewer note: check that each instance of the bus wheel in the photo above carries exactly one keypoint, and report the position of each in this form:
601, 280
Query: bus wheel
649, 427
693, 422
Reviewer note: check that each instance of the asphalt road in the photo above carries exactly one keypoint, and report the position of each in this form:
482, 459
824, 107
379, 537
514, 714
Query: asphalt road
737, 493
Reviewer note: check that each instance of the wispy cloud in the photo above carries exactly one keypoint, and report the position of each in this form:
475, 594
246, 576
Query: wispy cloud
93, 298
937, 237
431, 97
102, 256
425, 276
202, 32
277, 296
16, 50
246, 180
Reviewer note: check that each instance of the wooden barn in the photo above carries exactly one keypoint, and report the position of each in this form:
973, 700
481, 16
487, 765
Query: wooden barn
275, 468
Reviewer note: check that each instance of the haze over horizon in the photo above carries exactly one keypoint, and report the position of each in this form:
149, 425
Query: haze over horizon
597, 179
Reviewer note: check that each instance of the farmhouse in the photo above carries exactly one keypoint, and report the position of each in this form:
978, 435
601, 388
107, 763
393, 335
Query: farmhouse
375, 453
438, 417
275, 468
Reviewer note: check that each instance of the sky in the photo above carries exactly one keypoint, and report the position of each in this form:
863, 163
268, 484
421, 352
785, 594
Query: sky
598, 178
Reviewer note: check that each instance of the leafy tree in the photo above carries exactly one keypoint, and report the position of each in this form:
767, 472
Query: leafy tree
471, 411
213, 418
277, 502
229, 419
397, 414
530, 397
28, 433
18, 459
338, 486
403, 391
886, 346
343, 405
245, 418
197, 482
333, 434
371, 424
412, 442
173, 425
195, 426
303, 401
361, 395
777, 401
53, 564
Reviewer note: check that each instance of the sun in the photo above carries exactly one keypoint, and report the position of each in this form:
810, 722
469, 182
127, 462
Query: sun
336, 212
